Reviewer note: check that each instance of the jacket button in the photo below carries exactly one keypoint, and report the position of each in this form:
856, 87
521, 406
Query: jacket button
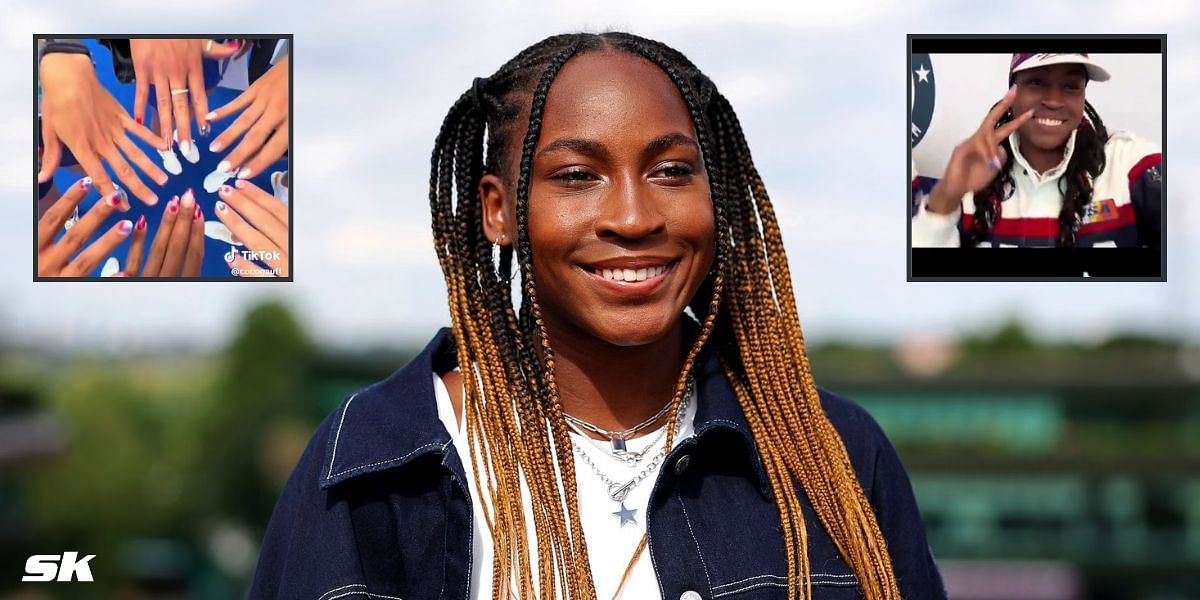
690, 594
681, 465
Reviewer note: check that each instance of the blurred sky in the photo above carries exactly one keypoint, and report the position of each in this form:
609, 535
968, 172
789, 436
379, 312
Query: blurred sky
819, 87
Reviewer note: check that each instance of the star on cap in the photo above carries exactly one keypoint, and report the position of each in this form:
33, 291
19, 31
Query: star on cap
923, 74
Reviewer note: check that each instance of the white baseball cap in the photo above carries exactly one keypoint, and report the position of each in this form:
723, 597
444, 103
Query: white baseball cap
1024, 62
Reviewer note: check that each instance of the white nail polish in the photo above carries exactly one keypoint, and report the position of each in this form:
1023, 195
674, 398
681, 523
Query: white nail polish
215, 180
190, 151
224, 166
244, 174
170, 162
218, 231
110, 268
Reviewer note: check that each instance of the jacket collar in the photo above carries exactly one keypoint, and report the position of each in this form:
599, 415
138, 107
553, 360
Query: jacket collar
393, 422
1052, 174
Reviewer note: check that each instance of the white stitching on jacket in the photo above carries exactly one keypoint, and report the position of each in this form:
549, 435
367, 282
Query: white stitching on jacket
687, 520
323, 596
382, 462
834, 580
338, 436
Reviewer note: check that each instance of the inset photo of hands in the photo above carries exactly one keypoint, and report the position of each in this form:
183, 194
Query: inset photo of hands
184, 142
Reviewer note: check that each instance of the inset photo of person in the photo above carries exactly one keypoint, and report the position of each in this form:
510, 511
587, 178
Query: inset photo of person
163, 158
1056, 154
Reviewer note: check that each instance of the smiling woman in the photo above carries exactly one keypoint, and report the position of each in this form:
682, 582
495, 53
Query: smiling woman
1042, 170
644, 422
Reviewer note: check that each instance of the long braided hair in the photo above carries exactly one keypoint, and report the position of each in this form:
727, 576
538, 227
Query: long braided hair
746, 305
1075, 185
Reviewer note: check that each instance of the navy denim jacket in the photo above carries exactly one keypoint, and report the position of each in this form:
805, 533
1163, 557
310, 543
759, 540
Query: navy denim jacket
379, 508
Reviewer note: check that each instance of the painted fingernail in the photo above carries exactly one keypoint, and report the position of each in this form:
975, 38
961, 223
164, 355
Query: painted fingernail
125, 226
190, 151
189, 199
173, 205
151, 200
224, 165
239, 184
220, 206
198, 215
85, 183
216, 147
114, 200
244, 174
212, 116
205, 129
224, 190
235, 43
139, 120
141, 223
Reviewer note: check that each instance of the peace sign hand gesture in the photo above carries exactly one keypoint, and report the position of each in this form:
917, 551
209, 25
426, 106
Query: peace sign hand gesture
978, 159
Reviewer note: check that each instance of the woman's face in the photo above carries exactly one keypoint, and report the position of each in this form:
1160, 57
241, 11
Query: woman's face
1056, 95
620, 216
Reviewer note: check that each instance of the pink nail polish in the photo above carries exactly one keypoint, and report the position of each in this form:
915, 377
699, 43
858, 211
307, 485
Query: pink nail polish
188, 199
225, 190
114, 200
235, 43
239, 184
139, 120
141, 223
244, 174
173, 205
125, 226
220, 206
198, 215
85, 183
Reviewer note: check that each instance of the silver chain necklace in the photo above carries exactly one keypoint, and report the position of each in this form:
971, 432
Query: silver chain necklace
618, 438
628, 457
618, 491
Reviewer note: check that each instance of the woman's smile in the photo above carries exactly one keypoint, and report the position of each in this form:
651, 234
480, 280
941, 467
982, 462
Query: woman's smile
631, 276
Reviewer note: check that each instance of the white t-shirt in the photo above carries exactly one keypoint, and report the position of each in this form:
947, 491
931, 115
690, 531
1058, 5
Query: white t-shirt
610, 545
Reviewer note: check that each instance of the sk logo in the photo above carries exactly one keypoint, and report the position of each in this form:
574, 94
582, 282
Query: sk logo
44, 567
921, 101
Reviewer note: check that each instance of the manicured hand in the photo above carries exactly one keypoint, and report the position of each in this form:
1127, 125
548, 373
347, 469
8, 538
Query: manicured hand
260, 221
174, 68
178, 246
79, 113
978, 159
263, 120
60, 259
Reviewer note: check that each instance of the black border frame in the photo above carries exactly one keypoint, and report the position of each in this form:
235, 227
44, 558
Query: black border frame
291, 155
969, 260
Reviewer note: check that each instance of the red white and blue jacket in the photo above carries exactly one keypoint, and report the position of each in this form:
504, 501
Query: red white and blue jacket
1124, 211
